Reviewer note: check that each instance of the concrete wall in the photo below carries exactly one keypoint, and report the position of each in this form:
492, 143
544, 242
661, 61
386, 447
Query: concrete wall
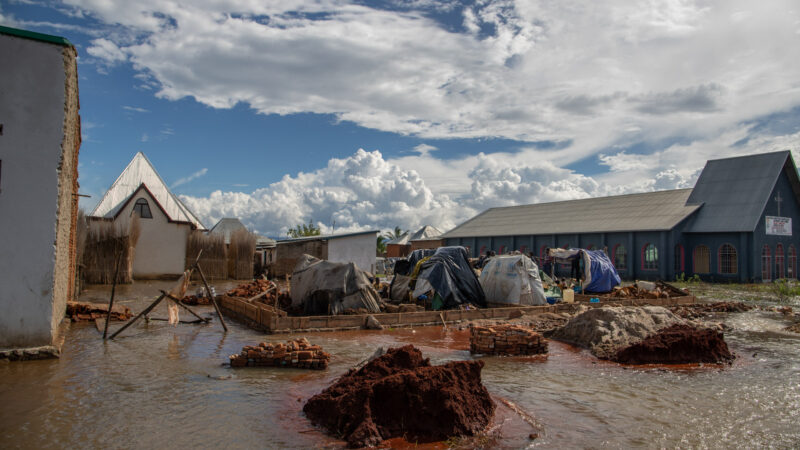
161, 248
359, 249
38, 103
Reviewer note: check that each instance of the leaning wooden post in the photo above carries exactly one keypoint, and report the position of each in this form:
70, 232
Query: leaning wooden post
146, 311
113, 288
178, 302
208, 291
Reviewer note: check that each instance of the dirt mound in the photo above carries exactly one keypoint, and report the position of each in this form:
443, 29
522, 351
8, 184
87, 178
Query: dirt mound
606, 330
400, 394
698, 310
678, 344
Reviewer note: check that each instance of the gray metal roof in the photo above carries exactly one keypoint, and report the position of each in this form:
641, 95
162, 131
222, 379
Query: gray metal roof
402, 240
226, 226
735, 191
660, 210
425, 233
327, 237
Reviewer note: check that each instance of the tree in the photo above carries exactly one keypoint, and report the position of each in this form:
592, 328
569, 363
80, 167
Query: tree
381, 244
394, 234
304, 230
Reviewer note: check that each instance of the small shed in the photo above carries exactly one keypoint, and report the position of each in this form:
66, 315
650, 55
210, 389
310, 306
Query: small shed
358, 248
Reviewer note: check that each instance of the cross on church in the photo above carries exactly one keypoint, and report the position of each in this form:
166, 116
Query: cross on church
778, 200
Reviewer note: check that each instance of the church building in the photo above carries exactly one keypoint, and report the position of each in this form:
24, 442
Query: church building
736, 224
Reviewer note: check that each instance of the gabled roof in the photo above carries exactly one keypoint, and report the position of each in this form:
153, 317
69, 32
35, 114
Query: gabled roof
141, 172
402, 240
735, 191
651, 211
425, 233
326, 237
226, 226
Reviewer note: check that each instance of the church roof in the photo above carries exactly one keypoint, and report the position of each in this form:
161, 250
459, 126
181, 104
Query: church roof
734, 191
651, 211
141, 172
226, 226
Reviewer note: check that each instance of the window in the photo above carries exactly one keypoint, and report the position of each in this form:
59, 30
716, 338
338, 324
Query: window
791, 269
727, 260
620, 257
142, 208
702, 259
766, 261
502, 250
649, 257
779, 262
679, 267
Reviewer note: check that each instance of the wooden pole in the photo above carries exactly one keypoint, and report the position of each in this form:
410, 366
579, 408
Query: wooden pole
145, 311
178, 302
111, 300
208, 291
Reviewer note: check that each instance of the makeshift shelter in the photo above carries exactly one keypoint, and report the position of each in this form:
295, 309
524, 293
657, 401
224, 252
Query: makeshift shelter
401, 286
512, 279
599, 274
324, 287
448, 275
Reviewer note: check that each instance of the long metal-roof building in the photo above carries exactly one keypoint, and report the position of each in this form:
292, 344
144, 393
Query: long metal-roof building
737, 223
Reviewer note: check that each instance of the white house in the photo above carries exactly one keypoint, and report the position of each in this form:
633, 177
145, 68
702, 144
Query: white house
39, 143
165, 221
359, 248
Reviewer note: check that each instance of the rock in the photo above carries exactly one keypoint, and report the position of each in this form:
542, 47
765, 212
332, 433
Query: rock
516, 314
604, 331
400, 394
372, 323
677, 344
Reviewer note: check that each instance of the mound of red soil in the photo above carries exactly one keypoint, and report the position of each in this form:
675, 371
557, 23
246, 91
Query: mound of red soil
678, 344
400, 394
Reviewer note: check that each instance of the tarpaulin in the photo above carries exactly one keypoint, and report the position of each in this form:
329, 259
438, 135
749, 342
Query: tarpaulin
448, 273
600, 275
512, 279
325, 287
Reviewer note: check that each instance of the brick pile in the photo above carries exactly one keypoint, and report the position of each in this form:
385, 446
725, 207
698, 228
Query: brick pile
506, 340
298, 354
85, 311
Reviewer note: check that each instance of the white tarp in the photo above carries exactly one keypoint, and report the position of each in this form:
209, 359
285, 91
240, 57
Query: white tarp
512, 279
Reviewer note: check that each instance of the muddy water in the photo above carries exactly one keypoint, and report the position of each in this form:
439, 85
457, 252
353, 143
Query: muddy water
163, 386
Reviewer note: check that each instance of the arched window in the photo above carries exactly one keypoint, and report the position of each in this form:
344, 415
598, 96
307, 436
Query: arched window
727, 261
483, 250
791, 269
766, 263
649, 257
679, 267
779, 272
502, 250
142, 208
620, 257
702, 259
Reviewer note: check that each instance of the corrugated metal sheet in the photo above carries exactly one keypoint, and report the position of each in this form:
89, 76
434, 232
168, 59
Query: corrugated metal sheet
226, 226
634, 212
735, 191
425, 233
402, 240
140, 171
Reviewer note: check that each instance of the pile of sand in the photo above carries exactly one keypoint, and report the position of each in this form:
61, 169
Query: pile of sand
678, 344
400, 394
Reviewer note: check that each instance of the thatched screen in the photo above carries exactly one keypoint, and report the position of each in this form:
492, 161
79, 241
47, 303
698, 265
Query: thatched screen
104, 241
213, 261
240, 255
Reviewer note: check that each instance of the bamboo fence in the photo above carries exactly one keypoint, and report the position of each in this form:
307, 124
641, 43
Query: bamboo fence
213, 260
103, 242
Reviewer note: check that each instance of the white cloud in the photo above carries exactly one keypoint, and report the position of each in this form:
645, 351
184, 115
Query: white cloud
191, 177
107, 51
135, 109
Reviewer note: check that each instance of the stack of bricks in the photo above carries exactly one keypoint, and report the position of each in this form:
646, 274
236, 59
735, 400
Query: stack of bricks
298, 354
506, 340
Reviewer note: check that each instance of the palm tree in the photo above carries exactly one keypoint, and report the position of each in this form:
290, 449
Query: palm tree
382, 245
394, 234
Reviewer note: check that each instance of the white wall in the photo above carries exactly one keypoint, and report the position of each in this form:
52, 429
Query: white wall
32, 111
359, 249
161, 248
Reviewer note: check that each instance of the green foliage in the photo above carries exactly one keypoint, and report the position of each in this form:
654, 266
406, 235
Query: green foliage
784, 289
304, 230
394, 234
382, 244
690, 280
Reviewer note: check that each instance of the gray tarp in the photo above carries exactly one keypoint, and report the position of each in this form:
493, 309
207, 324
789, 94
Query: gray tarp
324, 287
512, 279
448, 273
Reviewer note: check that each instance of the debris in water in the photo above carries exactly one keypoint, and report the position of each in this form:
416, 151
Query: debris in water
400, 394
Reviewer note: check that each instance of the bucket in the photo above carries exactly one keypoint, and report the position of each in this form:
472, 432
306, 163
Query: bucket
569, 295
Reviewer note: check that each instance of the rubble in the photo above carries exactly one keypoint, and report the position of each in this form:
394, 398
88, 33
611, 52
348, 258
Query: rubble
251, 289
193, 300
400, 394
85, 311
698, 310
298, 354
677, 344
506, 340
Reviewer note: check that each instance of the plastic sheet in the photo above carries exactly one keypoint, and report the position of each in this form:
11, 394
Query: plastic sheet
512, 279
325, 287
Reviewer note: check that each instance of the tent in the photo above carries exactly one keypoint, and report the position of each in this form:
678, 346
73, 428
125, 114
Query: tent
324, 287
402, 284
512, 279
600, 275
448, 274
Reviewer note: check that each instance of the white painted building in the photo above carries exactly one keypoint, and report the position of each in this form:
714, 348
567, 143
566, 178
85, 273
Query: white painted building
359, 248
164, 220
39, 143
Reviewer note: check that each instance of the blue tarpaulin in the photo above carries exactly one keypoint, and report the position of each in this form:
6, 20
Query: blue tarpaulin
600, 274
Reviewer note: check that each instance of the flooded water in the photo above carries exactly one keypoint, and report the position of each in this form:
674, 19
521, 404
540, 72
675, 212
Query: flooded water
159, 385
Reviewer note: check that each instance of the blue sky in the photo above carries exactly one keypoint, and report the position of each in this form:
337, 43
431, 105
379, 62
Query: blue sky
376, 114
